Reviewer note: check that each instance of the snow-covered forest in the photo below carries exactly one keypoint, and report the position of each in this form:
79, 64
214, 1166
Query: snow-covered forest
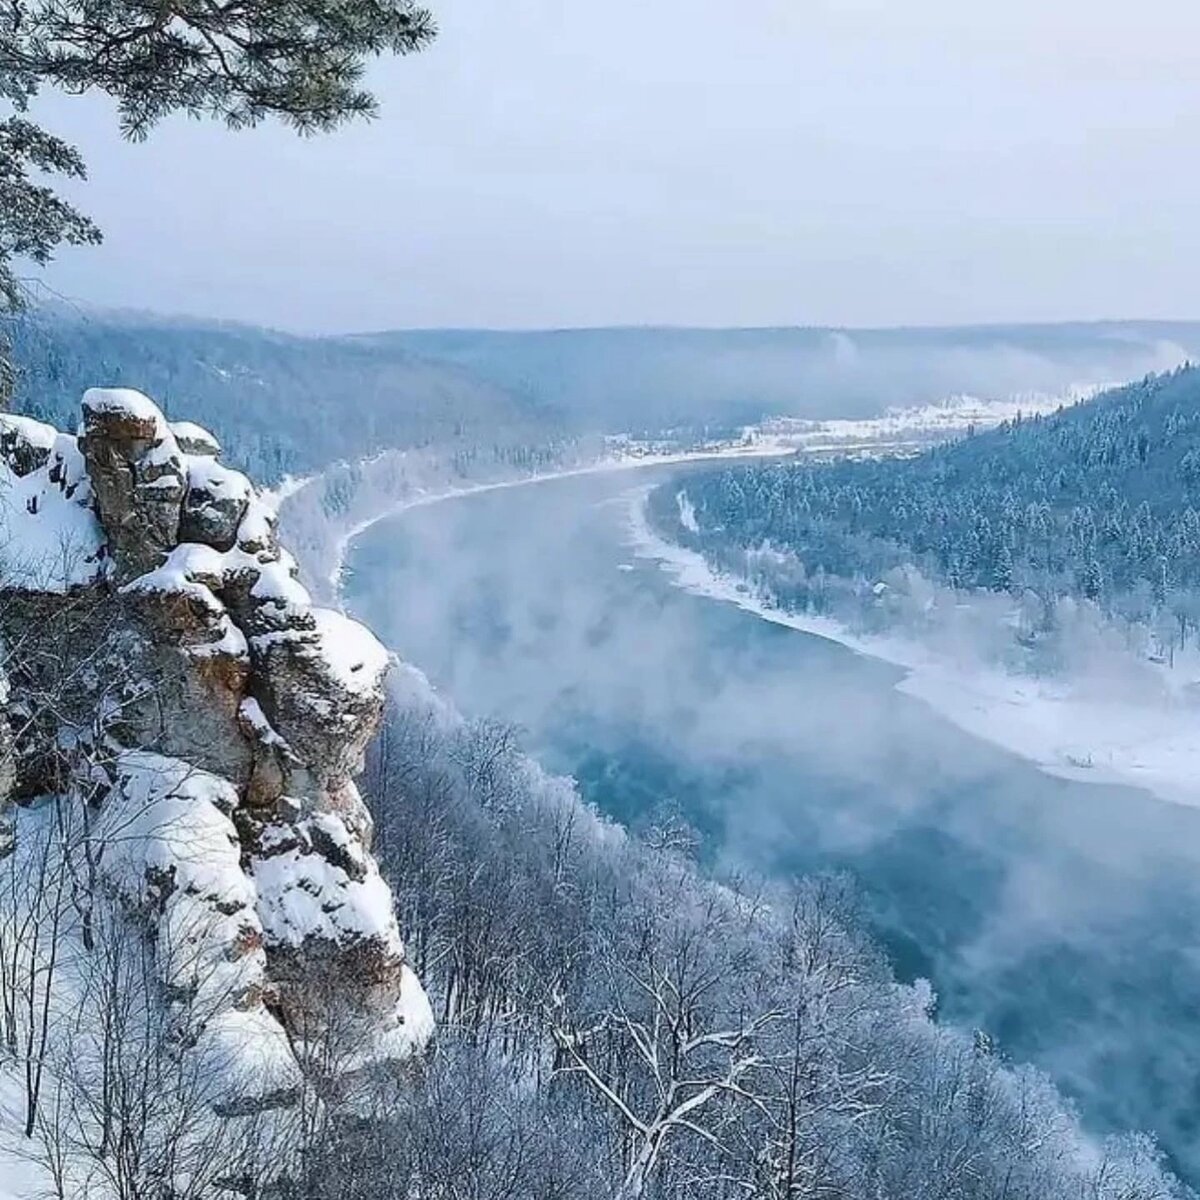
284, 405
613, 1023
289, 405
1097, 504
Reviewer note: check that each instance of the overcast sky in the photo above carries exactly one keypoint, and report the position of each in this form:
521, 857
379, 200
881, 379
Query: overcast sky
845, 162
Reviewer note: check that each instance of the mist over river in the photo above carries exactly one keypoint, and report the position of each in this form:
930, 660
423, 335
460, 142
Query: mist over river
1062, 917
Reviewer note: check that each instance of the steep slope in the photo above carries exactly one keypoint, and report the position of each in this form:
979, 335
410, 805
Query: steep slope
175, 700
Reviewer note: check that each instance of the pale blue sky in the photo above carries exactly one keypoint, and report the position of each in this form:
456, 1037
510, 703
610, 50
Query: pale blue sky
683, 161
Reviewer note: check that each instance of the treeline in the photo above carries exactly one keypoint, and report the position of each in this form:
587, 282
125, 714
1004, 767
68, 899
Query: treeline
613, 1024
1100, 502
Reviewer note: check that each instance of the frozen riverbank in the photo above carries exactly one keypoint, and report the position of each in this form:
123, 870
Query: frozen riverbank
397, 481
1063, 729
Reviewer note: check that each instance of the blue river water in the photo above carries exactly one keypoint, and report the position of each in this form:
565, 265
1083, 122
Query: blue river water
1063, 918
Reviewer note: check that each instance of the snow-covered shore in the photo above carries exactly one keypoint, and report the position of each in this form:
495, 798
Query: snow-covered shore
323, 559
1066, 731
1061, 729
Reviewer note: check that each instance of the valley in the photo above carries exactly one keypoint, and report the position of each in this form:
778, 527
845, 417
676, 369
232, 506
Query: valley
1038, 906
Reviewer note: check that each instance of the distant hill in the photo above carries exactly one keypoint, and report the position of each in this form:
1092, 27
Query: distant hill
284, 403
644, 380
281, 404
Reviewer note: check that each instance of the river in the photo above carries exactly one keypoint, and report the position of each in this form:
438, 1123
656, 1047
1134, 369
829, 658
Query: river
1062, 917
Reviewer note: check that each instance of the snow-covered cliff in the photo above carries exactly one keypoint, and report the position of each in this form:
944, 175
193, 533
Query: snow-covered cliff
168, 673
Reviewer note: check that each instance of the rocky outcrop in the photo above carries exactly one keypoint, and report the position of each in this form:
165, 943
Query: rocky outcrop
137, 474
225, 717
25, 444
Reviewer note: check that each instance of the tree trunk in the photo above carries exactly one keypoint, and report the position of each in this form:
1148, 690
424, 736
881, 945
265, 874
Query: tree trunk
8, 374
8, 367
634, 1184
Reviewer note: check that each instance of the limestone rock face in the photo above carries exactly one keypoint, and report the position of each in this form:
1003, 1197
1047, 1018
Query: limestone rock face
137, 475
311, 687
215, 503
195, 440
194, 675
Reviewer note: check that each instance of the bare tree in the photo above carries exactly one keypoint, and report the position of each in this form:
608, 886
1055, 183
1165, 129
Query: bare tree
36, 884
674, 1035
133, 1104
